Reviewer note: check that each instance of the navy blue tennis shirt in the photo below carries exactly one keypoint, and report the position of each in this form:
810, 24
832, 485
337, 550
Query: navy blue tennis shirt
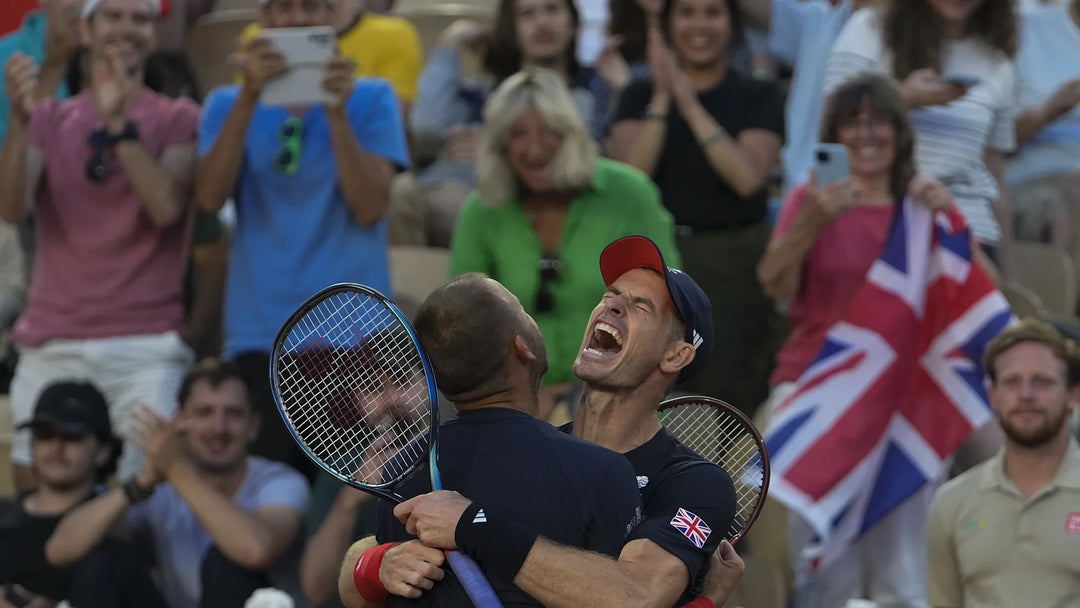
690, 504
570, 491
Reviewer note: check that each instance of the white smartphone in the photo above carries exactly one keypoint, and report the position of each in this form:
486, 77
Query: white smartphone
831, 163
961, 80
306, 51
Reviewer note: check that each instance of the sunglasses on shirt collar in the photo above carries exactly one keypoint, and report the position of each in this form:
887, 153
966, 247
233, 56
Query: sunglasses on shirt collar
287, 158
550, 268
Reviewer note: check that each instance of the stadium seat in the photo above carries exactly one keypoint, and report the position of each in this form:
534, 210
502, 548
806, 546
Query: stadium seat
7, 482
432, 16
211, 41
1025, 303
1048, 271
415, 272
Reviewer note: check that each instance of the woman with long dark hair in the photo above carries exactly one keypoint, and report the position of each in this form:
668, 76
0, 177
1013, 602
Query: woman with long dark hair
709, 137
953, 63
824, 244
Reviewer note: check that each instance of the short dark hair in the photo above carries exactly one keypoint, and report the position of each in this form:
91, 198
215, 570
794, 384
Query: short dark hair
503, 56
216, 373
467, 331
881, 96
1033, 330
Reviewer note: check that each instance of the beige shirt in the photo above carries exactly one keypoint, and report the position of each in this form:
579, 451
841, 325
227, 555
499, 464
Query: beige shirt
989, 547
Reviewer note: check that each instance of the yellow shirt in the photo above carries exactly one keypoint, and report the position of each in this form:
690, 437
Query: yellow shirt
382, 47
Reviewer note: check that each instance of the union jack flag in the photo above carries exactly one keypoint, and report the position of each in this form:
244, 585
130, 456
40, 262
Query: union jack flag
895, 389
692, 527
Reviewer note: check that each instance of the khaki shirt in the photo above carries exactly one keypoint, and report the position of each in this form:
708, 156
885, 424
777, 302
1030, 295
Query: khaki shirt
989, 547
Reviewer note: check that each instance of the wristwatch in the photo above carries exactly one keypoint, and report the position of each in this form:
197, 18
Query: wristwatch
130, 132
135, 493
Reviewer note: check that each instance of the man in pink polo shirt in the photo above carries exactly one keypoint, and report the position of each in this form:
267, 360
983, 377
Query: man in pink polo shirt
109, 171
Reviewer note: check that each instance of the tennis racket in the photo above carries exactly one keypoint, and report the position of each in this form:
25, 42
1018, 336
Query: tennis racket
723, 435
359, 396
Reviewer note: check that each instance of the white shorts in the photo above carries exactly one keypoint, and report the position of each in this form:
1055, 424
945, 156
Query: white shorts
129, 370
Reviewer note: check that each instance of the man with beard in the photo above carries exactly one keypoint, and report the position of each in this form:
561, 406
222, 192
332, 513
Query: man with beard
651, 329
1007, 533
73, 450
223, 523
488, 357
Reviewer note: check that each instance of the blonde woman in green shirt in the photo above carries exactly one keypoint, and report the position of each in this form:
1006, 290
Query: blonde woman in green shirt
545, 207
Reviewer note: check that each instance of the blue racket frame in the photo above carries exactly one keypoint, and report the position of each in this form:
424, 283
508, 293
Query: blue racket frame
468, 572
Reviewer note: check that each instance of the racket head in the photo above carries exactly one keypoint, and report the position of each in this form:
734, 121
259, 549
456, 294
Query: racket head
355, 389
720, 433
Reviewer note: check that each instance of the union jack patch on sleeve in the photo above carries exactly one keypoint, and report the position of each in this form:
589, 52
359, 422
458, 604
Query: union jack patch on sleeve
692, 527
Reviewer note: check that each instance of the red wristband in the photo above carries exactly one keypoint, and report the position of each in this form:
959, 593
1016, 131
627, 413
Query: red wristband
700, 601
366, 573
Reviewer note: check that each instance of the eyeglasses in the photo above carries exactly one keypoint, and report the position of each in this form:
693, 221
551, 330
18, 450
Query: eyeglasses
96, 167
550, 268
287, 159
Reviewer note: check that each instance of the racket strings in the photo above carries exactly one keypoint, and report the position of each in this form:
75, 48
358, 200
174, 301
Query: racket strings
724, 440
353, 388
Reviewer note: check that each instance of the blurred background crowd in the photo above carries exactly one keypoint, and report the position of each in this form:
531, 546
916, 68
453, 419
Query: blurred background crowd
155, 213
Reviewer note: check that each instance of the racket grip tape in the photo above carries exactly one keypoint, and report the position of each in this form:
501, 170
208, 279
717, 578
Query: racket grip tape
472, 579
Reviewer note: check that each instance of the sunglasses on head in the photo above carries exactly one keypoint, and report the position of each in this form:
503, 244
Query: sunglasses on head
550, 267
287, 158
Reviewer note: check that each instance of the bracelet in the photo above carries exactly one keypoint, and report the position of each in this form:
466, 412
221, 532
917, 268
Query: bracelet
718, 134
136, 493
700, 601
366, 573
650, 115
500, 543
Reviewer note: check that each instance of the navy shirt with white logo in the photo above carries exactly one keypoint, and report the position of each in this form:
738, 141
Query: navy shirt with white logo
689, 504
570, 491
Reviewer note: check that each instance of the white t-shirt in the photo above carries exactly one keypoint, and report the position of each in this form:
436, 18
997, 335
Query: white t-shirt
950, 139
180, 542
801, 35
1049, 55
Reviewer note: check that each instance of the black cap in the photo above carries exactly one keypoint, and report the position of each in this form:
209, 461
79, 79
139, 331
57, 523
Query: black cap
693, 306
72, 407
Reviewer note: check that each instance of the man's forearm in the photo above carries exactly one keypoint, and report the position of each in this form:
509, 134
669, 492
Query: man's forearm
164, 196
13, 198
215, 175
566, 577
350, 597
84, 527
362, 176
326, 550
236, 532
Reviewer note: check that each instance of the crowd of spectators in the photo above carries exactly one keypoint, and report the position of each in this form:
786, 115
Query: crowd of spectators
146, 225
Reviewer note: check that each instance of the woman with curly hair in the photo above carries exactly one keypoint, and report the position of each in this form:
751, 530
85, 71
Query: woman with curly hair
953, 62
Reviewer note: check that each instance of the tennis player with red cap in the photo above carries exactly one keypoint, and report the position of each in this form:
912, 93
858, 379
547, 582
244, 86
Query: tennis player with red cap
652, 327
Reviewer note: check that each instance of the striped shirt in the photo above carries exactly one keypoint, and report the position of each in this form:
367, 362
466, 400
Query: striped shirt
951, 139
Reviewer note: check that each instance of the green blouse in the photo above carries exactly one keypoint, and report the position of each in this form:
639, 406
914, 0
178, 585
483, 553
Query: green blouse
500, 242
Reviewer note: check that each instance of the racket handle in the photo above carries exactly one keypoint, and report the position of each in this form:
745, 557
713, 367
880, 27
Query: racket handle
472, 579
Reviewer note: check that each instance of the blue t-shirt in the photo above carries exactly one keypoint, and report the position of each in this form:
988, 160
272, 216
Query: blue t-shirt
294, 233
28, 40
